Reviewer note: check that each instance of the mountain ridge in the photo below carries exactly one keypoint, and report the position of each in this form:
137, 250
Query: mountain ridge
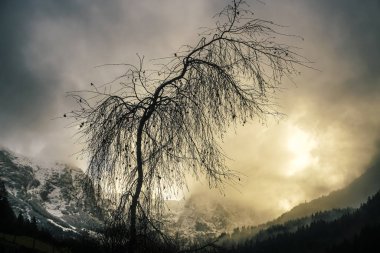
54, 193
351, 195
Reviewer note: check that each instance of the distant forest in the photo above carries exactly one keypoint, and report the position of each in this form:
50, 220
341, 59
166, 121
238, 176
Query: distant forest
356, 231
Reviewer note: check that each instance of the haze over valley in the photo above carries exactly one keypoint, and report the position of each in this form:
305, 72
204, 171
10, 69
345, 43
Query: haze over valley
315, 160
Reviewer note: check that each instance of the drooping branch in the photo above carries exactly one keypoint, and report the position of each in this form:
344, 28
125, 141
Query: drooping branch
158, 126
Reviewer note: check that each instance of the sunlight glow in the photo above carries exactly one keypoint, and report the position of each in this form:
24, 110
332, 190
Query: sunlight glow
300, 144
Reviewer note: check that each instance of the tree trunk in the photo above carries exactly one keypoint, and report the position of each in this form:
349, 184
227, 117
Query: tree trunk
140, 173
136, 195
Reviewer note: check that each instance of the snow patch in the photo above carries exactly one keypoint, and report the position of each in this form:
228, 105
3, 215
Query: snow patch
72, 227
61, 227
54, 212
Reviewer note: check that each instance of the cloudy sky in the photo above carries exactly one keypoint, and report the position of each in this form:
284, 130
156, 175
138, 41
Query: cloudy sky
331, 132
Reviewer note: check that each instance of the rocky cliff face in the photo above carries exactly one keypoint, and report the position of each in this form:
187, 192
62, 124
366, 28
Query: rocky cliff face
196, 218
55, 194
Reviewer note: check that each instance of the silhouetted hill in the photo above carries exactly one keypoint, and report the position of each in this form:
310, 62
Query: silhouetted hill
324, 209
358, 231
351, 196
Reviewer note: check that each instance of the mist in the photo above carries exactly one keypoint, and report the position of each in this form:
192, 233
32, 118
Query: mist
327, 138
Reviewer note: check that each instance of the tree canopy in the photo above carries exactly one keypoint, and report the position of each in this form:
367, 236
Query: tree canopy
154, 127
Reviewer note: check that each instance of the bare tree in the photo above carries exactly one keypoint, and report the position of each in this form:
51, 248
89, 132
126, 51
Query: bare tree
156, 126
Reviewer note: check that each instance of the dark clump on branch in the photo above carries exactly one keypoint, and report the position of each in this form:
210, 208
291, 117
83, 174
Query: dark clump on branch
161, 125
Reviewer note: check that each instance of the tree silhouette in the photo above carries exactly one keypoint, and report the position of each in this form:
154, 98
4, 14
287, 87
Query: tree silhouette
156, 126
7, 216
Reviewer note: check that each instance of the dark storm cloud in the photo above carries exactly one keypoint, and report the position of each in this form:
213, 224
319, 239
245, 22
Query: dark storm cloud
48, 48
32, 89
20, 89
356, 26
26, 95
351, 96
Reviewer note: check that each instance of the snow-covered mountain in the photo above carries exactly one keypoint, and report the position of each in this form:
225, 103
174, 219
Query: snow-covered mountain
196, 218
55, 194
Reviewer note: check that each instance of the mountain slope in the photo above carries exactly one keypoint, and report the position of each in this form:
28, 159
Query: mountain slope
195, 218
358, 231
54, 194
350, 196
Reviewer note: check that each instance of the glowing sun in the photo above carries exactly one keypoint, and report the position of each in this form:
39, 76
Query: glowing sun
300, 144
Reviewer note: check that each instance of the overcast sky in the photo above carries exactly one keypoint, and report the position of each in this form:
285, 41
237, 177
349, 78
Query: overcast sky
330, 134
